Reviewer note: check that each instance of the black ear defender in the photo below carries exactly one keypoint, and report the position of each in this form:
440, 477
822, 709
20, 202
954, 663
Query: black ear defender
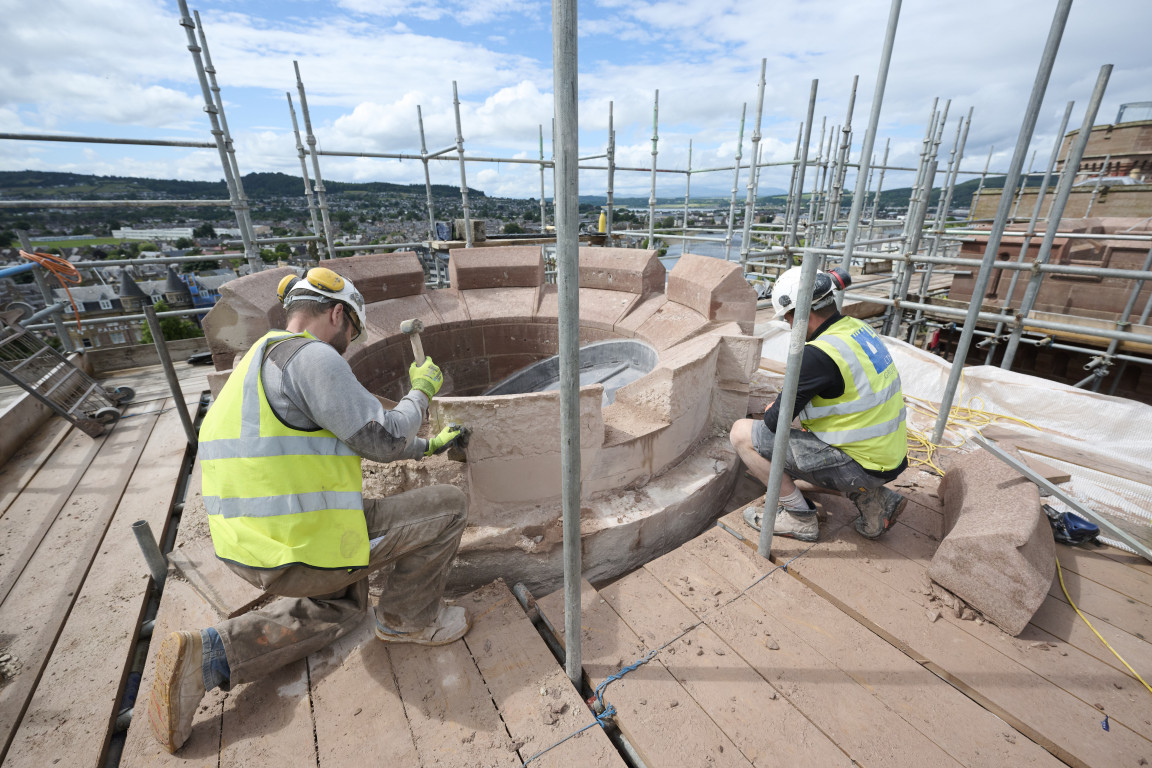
840, 278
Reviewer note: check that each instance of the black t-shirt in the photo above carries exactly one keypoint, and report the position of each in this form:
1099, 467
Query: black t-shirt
820, 376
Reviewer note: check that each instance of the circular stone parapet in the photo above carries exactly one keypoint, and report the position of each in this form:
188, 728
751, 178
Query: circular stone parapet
656, 465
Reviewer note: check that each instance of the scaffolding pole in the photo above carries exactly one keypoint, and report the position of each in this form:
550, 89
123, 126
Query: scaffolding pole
463, 173
790, 242
870, 140
543, 219
1031, 230
611, 152
735, 186
687, 196
981, 285
427, 174
567, 202
1058, 203
787, 400
318, 186
243, 211
231, 179
750, 201
308, 197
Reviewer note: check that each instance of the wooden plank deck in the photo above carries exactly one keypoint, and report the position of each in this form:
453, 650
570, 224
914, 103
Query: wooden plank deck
73, 584
838, 659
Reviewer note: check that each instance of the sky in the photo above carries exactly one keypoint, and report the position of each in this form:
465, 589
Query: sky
121, 68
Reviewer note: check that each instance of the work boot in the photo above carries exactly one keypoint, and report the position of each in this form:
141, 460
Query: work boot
791, 523
879, 509
451, 624
177, 689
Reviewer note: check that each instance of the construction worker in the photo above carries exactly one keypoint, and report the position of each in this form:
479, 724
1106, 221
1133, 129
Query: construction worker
851, 408
280, 451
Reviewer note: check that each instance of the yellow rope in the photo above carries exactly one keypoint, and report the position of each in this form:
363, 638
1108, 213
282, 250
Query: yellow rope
972, 415
1060, 573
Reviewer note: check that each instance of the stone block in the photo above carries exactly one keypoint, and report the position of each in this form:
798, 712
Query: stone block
511, 266
500, 305
628, 325
380, 276
385, 317
449, 307
514, 452
739, 357
216, 381
247, 309
715, 288
670, 325
622, 269
602, 308
998, 554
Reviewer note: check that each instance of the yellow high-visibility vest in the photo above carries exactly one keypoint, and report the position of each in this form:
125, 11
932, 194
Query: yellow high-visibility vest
867, 422
276, 495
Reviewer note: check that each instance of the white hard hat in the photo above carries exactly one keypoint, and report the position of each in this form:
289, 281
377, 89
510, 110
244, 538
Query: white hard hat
788, 285
323, 283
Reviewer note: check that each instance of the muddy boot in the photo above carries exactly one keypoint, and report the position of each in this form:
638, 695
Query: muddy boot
793, 524
451, 624
879, 509
177, 689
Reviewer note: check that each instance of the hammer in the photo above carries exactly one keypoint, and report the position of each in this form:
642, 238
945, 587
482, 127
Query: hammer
412, 329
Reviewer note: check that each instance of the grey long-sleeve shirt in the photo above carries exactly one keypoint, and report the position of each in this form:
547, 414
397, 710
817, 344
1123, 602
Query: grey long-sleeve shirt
309, 386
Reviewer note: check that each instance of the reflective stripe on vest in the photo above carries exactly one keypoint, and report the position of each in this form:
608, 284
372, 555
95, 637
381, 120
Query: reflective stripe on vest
275, 495
868, 420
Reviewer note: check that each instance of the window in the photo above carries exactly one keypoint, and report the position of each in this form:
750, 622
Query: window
105, 304
117, 337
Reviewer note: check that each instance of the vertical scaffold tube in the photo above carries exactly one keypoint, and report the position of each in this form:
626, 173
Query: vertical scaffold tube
308, 197
463, 173
1071, 163
750, 201
787, 399
870, 139
735, 186
791, 241
652, 189
543, 209
611, 171
687, 196
567, 191
1051, 46
427, 175
318, 186
230, 180
1031, 231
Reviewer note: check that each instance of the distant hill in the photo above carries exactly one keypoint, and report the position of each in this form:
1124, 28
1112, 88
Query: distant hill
48, 185
961, 196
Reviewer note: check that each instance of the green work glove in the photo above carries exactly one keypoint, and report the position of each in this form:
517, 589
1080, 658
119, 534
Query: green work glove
426, 377
442, 440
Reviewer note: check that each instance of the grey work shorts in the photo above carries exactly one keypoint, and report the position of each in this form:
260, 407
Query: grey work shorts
811, 459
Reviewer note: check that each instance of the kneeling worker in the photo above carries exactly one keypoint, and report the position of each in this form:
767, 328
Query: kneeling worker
280, 451
851, 407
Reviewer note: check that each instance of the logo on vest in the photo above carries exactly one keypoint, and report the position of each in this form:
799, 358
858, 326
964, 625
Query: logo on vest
873, 348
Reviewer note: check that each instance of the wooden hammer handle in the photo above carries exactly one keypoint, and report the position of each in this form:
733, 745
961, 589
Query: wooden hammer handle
417, 349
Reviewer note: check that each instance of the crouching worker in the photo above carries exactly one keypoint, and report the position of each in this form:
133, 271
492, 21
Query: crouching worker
851, 407
280, 451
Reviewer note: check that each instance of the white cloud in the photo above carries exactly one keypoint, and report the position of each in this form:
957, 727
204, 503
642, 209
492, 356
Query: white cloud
116, 67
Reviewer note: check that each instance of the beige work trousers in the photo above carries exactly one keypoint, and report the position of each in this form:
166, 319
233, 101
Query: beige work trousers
416, 535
